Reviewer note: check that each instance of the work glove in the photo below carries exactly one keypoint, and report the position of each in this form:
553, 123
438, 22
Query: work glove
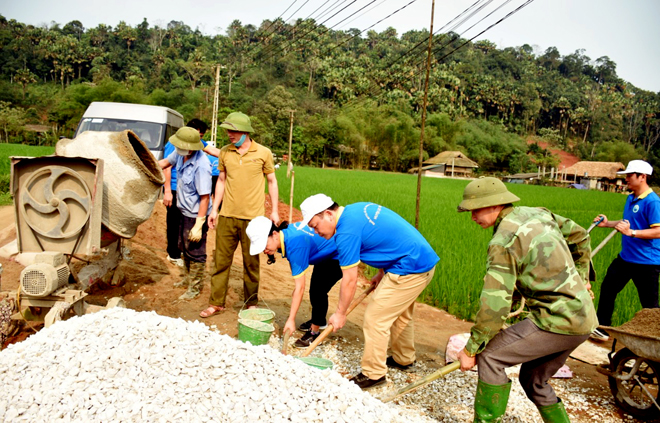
195, 233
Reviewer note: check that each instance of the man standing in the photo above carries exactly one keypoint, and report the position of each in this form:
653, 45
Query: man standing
546, 258
194, 174
240, 189
370, 233
173, 217
640, 246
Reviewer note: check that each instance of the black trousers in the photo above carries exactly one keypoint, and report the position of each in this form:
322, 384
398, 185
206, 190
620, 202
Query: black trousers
193, 251
173, 221
645, 278
324, 277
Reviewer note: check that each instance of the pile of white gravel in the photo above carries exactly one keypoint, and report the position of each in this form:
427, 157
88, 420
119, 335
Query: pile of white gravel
123, 365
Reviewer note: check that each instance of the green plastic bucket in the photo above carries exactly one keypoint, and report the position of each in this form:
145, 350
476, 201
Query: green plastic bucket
318, 362
254, 331
259, 314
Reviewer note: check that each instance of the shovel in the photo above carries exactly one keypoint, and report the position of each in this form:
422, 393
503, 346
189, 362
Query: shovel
327, 331
423, 381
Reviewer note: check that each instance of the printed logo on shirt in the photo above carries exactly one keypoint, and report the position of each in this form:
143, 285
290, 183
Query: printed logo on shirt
366, 214
636, 208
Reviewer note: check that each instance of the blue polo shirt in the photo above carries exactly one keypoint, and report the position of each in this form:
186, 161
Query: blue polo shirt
642, 212
213, 160
169, 149
194, 180
302, 247
382, 239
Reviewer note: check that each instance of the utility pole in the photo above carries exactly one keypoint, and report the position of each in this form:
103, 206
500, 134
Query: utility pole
421, 139
214, 116
289, 165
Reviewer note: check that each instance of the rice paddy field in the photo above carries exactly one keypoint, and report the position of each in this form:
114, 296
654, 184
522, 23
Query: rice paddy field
460, 243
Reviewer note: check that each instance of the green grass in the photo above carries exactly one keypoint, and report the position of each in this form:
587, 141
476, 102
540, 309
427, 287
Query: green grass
459, 242
19, 150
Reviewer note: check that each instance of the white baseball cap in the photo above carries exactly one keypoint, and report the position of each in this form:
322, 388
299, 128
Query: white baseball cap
258, 231
314, 205
637, 166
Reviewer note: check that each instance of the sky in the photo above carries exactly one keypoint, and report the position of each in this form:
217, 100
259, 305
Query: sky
624, 30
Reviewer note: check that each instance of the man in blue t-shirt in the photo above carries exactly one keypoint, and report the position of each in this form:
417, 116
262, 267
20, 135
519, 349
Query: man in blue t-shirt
639, 259
375, 235
302, 248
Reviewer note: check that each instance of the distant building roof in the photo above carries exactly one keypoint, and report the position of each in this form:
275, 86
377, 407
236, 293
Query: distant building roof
595, 169
448, 157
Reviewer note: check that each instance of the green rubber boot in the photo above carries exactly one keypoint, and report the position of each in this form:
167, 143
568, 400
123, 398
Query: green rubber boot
197, 275
183, 283
490, 402
555, 413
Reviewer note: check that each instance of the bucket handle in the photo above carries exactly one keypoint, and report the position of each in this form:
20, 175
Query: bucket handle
249, 298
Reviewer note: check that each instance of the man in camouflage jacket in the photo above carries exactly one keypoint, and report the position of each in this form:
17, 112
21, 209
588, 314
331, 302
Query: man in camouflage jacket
546, 258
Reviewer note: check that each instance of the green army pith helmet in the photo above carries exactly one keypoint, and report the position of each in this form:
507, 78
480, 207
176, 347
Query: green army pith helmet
187, 138
237, 121
485, 192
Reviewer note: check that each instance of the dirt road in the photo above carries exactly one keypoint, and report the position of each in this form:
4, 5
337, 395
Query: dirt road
147, 286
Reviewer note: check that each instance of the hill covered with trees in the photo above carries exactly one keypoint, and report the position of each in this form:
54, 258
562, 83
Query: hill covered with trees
361, 91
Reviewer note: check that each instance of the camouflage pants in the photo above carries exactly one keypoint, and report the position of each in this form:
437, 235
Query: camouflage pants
541, 353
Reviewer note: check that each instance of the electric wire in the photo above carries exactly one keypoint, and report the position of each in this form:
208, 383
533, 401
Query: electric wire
270, 48
353, 102
273, 49
366, 29
282, 14
436, 49
362, 14
281, 49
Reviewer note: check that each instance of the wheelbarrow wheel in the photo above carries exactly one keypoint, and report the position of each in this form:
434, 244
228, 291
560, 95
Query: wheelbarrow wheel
629, 394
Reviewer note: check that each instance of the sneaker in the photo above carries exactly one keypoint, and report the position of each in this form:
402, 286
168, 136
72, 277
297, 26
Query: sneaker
179, 262
306, 339
393, 364
599, 335
305, 327
365, 383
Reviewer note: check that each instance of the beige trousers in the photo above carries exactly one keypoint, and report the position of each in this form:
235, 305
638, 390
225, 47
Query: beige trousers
389, 317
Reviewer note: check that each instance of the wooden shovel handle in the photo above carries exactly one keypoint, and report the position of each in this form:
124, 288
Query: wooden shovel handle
424, 381
329, 329
285, 341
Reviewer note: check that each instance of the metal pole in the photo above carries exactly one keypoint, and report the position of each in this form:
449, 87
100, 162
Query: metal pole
426, 95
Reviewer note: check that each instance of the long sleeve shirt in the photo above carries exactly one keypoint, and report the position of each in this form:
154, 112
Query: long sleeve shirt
546, 257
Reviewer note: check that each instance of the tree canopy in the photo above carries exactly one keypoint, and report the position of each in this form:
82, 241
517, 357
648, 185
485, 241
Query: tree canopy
350, 91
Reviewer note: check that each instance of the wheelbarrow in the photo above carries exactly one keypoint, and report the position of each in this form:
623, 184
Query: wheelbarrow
634, 372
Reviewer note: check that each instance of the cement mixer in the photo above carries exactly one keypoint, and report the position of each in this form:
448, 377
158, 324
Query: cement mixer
94, 193
132, 179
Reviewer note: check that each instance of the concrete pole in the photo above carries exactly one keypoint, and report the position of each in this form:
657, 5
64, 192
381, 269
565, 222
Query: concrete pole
214, 116
426, 96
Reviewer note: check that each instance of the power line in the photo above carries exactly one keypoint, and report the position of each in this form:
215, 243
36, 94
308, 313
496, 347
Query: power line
272, 22
386, 17
292, 15
314, 27
271, 48
362, 14
526, 3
